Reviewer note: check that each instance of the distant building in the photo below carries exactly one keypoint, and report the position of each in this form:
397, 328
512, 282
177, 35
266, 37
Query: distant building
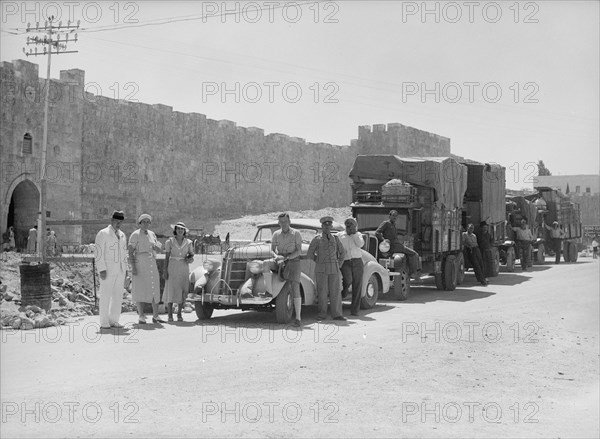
576, 184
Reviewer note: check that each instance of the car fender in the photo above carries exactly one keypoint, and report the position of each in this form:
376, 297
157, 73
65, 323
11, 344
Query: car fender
371, 268
309, 289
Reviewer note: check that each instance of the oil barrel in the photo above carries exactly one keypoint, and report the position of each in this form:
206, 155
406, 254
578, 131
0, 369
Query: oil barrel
35, 285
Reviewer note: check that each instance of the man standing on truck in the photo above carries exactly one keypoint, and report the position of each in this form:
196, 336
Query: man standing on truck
473, 254
287, 245
485, 244
524, 239
556, 235
387, 230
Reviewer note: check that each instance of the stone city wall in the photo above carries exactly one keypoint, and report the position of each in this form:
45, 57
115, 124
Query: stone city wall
111, 154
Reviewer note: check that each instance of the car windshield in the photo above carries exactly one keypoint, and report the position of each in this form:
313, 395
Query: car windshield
265, 234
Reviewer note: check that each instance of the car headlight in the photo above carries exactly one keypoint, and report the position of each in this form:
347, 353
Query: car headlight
208, 265
384, 246
255, 267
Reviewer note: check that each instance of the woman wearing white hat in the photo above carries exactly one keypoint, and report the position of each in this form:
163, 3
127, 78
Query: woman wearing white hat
177, 271
145, 280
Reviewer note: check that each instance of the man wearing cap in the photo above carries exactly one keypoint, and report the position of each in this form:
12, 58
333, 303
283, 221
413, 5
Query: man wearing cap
473, 255
352, 269
387, 231
556, 235
524, 239
111, 261
286, 243
328, 253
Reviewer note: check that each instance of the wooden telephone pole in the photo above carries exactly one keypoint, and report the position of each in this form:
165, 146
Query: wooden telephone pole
53, 44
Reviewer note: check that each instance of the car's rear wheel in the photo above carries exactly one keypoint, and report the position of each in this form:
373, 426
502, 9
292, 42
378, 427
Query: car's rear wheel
284, 305
369, 300
204, 311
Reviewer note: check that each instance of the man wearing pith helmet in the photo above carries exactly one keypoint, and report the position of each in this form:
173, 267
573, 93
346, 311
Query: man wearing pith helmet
352, 269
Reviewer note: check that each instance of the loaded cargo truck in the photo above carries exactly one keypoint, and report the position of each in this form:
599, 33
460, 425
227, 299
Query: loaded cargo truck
554, 206
427, 193
485, 201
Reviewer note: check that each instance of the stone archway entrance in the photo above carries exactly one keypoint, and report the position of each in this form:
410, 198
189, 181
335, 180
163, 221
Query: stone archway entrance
23, 211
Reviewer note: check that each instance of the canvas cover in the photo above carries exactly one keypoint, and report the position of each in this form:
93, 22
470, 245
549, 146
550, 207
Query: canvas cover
486, 184
444, 174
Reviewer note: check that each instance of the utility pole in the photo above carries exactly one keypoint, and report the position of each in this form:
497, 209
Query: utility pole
59, 46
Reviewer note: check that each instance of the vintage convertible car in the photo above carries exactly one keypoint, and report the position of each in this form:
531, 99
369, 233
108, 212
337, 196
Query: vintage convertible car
243, 278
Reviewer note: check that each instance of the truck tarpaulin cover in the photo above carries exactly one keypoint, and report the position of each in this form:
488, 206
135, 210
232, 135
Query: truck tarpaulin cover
444, 174
486, 184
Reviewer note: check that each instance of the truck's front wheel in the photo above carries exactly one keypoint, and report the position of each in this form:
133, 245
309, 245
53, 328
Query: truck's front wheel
401, 284
495, 262
540, 257
460, 268
284, 305
510, 260
449, 273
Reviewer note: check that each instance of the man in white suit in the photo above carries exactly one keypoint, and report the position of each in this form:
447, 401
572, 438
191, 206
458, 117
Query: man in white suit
111, 261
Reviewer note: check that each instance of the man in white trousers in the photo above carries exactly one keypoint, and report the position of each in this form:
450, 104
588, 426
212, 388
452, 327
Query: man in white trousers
111, 262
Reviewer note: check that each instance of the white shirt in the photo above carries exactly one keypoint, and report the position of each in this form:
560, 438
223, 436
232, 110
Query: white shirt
352, 244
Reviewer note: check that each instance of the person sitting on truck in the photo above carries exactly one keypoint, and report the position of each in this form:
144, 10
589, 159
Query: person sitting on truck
556, 235
485, 243
524, 239
387, 230
473, 254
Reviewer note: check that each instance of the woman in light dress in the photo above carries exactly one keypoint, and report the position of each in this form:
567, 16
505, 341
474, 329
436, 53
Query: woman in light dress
180, 254
145, 279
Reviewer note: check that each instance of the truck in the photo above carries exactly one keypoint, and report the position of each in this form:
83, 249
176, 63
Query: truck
427, 193
553, 205
518, 207
485, 201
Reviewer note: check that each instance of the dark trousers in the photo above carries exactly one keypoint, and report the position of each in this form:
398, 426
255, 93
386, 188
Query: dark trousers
556, 245
414, 263
352, 274
474, 256
524, 247
486, 256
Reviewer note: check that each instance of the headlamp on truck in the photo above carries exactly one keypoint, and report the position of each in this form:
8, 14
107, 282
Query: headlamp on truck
384, 246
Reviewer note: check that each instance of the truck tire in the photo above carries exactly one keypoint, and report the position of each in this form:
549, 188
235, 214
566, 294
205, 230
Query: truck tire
402, 284
566, 246
369, 300
540, 257
510, 260
449, 273
439, 277
573, 253
204, 311
495, 262
284, 305
460, 268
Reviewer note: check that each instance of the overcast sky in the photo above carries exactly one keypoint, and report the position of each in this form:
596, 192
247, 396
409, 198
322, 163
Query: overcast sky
507, 82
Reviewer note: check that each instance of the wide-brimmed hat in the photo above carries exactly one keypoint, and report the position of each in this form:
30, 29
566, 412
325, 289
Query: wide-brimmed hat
180, 224
118, 215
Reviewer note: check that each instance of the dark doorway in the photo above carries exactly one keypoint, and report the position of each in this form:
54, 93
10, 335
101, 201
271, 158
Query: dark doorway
23, 211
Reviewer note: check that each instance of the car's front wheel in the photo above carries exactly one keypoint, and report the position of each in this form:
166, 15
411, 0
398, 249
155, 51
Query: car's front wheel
284, 305
369, 300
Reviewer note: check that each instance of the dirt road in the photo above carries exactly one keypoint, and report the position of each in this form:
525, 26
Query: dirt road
516, 359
